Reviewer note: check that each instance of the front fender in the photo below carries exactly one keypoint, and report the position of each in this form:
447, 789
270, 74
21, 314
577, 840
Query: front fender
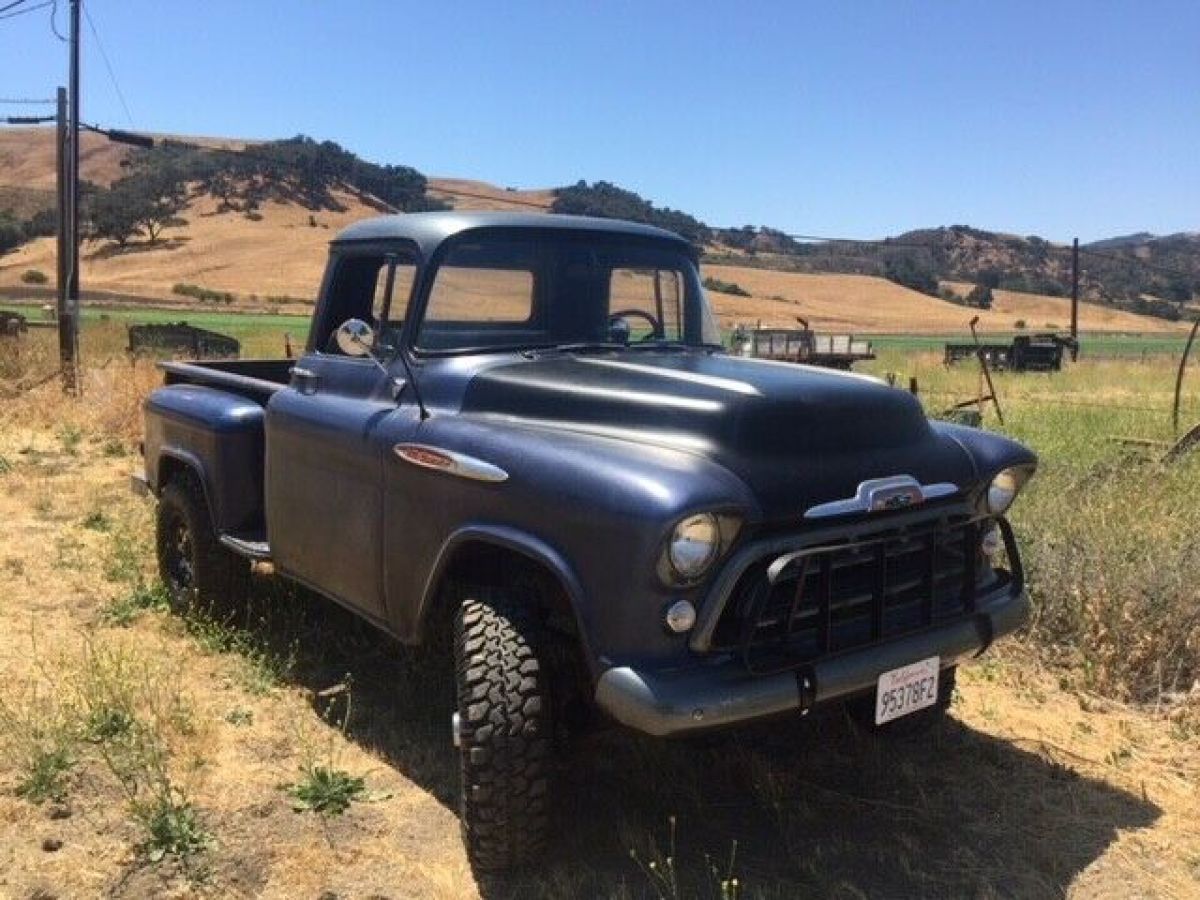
595, 511
988, 452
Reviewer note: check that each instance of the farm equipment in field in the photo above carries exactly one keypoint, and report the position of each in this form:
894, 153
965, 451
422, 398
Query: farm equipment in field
12, 324
1024, 353
181, 339
802, 345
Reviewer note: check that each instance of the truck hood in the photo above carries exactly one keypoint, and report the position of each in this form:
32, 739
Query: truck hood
796, 435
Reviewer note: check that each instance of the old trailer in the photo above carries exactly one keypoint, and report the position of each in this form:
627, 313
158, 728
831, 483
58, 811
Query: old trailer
1024, 353
181, 339
802, 345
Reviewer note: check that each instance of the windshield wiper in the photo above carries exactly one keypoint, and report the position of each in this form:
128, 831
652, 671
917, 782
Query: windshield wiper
659, 344
579, 347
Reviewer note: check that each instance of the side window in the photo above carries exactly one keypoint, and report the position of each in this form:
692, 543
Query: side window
359, 290
388, 311
656, 293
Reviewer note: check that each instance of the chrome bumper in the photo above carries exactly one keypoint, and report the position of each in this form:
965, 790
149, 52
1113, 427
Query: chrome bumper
707, 697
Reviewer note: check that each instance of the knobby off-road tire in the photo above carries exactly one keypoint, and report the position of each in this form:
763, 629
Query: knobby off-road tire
505, 728
195, 569
862, 711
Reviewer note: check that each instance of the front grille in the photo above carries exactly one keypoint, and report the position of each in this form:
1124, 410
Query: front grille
792, 608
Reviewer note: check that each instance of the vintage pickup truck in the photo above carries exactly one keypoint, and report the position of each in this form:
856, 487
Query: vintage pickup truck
525, 427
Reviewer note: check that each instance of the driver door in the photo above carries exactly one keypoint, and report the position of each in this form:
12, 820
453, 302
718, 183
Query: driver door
324, 463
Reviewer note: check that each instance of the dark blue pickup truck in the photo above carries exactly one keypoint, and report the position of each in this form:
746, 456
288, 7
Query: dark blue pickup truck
525, 427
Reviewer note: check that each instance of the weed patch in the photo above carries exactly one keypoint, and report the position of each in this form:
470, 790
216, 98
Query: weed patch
172, 826
327, 791
46, 775
128, 607
70, 436
96, 520
263, 667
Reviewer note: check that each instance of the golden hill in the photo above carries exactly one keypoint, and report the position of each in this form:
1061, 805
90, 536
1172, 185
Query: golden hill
283, 254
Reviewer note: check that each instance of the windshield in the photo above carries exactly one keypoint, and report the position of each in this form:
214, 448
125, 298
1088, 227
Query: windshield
506, 289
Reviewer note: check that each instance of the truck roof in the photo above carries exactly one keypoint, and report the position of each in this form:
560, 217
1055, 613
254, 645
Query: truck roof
428, 229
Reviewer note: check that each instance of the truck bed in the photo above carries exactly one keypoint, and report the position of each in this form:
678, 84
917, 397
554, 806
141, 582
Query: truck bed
255, 378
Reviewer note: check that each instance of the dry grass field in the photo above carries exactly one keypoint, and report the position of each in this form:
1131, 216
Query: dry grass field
146, 752
869, 305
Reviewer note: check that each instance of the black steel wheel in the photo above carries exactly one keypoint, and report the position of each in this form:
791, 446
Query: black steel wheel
195, 569
503, 728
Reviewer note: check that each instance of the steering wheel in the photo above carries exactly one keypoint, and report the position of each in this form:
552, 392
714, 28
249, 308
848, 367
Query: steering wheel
656, 329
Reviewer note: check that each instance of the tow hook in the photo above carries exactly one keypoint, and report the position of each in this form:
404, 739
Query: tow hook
456, 729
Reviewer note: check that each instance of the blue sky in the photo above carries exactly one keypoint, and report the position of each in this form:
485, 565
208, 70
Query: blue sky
854, 118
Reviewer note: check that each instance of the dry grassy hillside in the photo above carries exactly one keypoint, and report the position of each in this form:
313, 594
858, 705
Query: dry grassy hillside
282, 255
874, 305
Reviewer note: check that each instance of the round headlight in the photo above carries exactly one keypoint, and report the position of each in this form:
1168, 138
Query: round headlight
1003, 491
694, 545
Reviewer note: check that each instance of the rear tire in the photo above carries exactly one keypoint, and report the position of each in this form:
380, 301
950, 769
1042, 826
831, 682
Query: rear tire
195, 568
862, 712
505, 728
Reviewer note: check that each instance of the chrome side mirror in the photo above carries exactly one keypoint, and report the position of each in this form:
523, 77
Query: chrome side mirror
355, 338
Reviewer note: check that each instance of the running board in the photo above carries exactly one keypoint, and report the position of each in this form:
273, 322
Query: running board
257, 551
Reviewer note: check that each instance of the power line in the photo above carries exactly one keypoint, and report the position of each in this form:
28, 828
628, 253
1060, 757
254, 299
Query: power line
107, 64
8, 6
54, 24
454, 192
27, 120
25, 101
24, 10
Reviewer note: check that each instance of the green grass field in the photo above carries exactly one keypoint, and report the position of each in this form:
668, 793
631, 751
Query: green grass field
266, 330
1101, 345
261, 334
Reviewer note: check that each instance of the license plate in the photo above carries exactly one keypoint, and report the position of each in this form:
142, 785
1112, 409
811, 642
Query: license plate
906, 690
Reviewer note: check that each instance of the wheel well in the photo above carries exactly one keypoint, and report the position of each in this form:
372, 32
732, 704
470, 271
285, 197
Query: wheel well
480, 563
170, 468
484, 563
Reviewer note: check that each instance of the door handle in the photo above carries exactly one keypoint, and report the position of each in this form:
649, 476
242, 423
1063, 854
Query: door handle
306, 379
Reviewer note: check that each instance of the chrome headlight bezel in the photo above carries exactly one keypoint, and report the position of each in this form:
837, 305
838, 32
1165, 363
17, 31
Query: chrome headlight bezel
679, 565
1003, 489
693, 546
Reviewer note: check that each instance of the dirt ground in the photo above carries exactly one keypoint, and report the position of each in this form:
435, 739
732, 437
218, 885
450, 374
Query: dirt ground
1031, 790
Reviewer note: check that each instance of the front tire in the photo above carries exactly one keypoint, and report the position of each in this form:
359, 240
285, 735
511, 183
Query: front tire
193, 565
505, 729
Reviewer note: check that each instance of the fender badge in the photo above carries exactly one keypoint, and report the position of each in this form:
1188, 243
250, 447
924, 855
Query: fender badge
450, 462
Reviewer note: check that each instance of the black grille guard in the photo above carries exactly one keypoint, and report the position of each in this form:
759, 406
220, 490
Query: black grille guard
814, 545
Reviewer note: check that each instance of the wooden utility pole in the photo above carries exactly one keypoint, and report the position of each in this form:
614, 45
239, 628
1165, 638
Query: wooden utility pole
60, 192
1075, 299
68, 323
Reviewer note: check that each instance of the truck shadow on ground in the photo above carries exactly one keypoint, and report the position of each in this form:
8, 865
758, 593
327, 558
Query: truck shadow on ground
817, 807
